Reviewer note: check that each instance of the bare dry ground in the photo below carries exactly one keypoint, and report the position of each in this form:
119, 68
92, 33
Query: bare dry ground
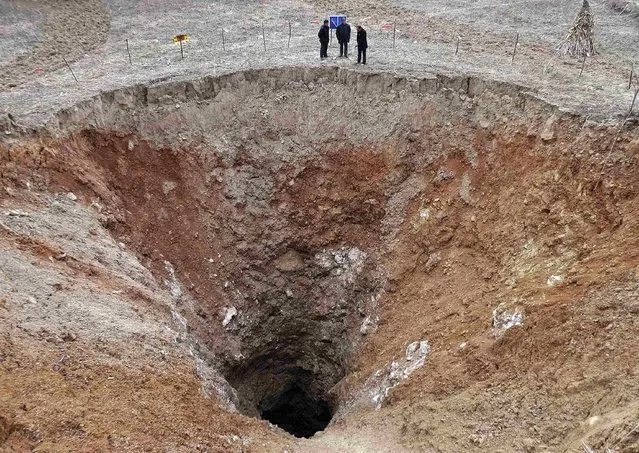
39, 35
443, 205
426, 40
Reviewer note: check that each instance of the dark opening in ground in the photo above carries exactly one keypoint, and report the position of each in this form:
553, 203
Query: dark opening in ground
297, 411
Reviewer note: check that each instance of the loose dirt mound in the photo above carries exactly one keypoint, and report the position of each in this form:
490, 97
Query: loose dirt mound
456, 267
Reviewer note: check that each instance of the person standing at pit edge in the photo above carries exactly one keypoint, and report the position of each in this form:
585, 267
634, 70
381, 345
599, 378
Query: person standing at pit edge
324, 38
362, 45
343, 34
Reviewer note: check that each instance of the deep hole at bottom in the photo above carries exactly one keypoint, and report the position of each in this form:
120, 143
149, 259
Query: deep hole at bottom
296, 411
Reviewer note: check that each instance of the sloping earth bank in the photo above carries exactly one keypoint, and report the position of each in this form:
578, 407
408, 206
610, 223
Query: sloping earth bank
165, 243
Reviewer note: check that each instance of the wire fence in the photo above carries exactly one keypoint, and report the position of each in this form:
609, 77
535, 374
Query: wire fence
135, 53
292, 38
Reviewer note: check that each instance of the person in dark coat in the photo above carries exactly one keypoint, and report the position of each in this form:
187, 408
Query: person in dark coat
362, 45
343, 34
324, 38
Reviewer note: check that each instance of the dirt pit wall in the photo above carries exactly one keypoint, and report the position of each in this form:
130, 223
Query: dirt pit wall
310, 224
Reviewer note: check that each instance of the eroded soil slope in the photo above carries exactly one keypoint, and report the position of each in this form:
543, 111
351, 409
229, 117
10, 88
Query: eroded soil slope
228, 237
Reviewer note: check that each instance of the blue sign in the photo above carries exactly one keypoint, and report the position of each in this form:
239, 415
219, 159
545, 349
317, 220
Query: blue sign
335, 21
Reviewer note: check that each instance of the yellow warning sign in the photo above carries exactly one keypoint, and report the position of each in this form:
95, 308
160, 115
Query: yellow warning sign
180, 38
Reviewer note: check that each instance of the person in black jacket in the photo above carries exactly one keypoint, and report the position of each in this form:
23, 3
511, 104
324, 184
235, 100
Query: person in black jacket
343, 34
362, 45
324, 38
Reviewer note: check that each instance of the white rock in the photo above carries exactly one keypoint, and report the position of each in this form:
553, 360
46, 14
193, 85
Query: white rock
174, 286
592, 421
389, 377
367, 325
229, 314
16, 213
548, 132
504, 320
71, 196
554, 280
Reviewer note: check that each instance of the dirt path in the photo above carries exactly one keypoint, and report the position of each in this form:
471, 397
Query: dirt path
68, 29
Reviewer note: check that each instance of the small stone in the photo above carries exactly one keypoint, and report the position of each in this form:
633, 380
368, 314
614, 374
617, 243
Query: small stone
16, 213
529, 444
71, 196
592, 421
548, 132
69, 336
477, 439
229, 314
554, 280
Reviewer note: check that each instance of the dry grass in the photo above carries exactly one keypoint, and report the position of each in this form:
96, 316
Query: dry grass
624, 6
580, 39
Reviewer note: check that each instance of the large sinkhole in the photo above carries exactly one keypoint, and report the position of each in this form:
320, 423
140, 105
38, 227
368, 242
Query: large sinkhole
286, 395
299, 344
296, 410
280, 206
281, 391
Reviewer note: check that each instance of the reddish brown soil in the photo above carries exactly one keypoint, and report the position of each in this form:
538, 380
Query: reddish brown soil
534, 209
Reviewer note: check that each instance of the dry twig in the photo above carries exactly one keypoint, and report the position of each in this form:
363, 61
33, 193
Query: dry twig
614, 140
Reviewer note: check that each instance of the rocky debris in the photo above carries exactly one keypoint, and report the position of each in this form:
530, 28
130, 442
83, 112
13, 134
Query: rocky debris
174, 286
443, 175
504, 320
60, 256
554, 280
71, 196
432, 261
69, 336
370, 322
424, 214
168, 187
6, 124
346, 262
390, 376
464, 190
229, 314
16, 213
213, 384
548, 132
